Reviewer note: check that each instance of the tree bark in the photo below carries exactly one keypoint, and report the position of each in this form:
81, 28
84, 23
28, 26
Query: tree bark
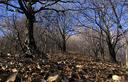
64, 44
30, 41
112, 52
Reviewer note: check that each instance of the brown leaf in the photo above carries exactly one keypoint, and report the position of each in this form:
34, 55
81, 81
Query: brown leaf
12, 77
52, 78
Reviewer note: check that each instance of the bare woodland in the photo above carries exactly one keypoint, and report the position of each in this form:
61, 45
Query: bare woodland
63, 40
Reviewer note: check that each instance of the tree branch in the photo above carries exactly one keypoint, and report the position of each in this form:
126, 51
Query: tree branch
6, 3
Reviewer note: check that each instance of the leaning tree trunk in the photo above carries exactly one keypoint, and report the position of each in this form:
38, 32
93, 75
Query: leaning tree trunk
30, 44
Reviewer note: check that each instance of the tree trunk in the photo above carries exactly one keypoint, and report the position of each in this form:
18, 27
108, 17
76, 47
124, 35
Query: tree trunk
64, 45
102, 45
30, 41
126, 55
45, 44
112, 52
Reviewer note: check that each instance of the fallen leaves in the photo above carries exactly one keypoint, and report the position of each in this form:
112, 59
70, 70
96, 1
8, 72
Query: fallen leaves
59, 68
52, 78
116, 77
11, 77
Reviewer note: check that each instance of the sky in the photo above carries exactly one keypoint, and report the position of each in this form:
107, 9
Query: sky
83, 19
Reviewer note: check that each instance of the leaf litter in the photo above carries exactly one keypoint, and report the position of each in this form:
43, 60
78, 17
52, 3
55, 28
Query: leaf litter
59, 68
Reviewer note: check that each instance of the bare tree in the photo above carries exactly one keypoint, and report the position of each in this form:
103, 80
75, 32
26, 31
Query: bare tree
105, 17
27, 8
65, 28
60, 28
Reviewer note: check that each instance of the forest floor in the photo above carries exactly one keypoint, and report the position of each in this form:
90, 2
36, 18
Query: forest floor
59, 68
